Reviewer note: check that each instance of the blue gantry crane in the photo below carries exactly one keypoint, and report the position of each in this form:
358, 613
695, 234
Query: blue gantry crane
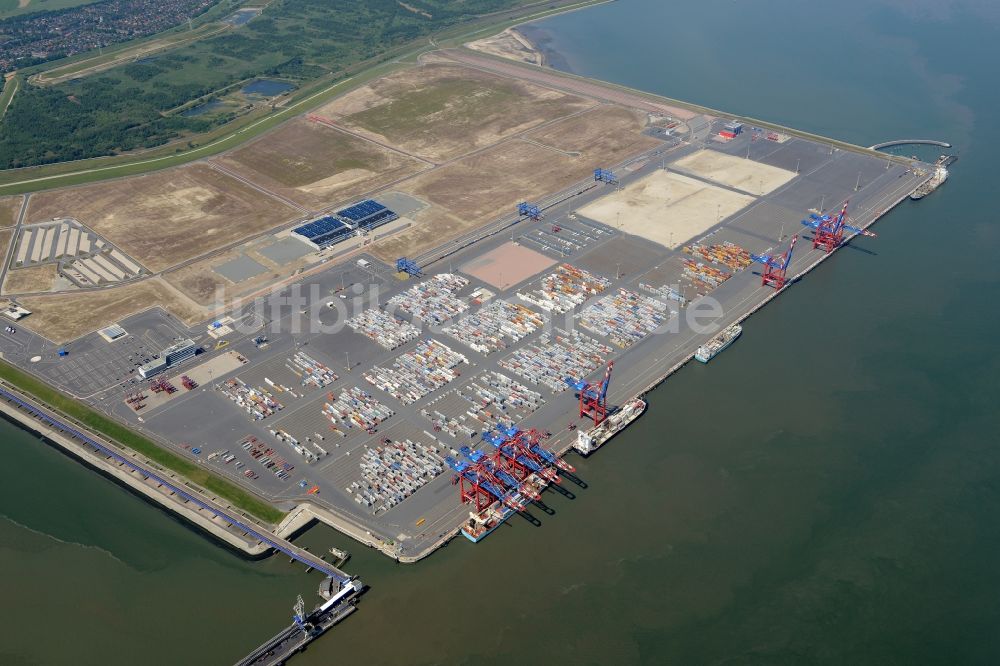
529, 210
408, 266
605, 176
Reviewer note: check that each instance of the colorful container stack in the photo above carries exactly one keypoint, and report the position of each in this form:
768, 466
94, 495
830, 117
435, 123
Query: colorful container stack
728, 254
562, 354
355, 408
489, 329
312, 372
416, 373
392, 471
625, 318
565, 289
383, 328
433, 300
705, 278
256, 402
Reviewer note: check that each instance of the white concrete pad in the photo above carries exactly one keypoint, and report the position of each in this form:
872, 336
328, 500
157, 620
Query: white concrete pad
666, 208
743, 174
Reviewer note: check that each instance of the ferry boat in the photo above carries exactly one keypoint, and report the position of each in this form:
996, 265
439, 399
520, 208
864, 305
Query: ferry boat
591, 440
707, 351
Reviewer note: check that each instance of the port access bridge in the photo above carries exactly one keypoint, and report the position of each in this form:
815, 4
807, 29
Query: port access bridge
275, 542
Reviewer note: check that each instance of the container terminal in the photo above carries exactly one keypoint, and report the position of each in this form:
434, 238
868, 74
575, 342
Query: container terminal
380, 426
404, 404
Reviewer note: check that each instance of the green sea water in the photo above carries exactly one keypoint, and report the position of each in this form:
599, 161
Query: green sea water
826, 491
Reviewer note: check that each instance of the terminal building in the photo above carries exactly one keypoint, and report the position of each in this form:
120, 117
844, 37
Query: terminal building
352, 221
169, 357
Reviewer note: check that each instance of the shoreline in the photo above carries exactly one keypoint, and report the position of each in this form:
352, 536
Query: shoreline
157, 496
295, 522
538, 40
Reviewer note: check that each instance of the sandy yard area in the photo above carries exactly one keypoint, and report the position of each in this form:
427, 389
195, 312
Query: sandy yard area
65, 317
166, 217
317, 166
605, 135
742, 174
200, 282
9, 208
28, 280
507, 265
475, 190
666, 208
5, 237
442, 111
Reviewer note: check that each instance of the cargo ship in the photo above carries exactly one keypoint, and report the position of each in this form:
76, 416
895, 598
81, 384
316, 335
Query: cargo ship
479, 527
940, 175
707, 351
591, 440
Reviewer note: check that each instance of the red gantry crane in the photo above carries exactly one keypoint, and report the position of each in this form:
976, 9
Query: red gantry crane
775, 267
828, 233
593, 400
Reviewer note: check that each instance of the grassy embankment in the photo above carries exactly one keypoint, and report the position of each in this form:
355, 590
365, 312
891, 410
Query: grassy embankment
10, 87
122, 435
124, 53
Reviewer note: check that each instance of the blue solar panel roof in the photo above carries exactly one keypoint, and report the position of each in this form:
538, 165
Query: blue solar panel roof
325, 231
362, 210
320, 227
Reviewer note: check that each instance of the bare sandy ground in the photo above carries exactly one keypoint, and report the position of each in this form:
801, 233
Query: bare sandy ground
666, 208
29, 280
200, 282
5, 237
317, 166
747, 175
65, 317
167, 217
442, 111
605, 135
475, 190
9, 207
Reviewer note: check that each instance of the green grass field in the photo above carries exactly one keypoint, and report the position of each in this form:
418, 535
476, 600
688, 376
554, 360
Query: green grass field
117, 432
10, 8
10, 88
124, 108
243, 129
